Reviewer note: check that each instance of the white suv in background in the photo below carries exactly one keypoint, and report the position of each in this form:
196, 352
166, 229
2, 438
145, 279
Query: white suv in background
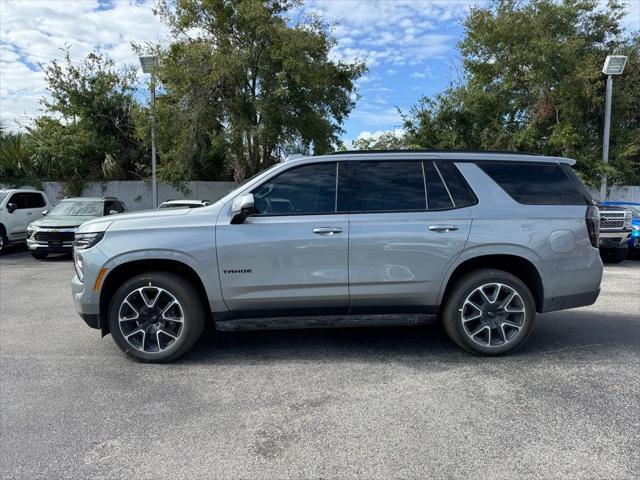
18, 208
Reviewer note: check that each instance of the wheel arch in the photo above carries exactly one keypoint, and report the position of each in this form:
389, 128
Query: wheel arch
124, 271
517, 265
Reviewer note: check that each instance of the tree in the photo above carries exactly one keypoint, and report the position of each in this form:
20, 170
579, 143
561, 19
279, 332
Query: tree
242, 82
533, 82
88, 131
385, 141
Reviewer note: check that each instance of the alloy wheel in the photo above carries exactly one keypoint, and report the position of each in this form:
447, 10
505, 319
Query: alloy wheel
151, 319
493, 314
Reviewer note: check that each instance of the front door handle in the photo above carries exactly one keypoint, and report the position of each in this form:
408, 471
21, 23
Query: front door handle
443, 228
327, 230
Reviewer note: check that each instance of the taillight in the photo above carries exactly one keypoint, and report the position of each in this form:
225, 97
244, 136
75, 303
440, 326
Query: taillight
593, 224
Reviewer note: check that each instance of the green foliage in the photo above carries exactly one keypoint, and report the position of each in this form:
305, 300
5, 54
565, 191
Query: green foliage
533, 82
88, 132
242, 85
386, 141
16, 160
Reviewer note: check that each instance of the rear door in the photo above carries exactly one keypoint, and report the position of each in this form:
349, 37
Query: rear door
405, 229
291, 257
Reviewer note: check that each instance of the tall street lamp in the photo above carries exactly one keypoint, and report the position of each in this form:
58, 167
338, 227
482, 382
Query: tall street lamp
613, 65
149, 65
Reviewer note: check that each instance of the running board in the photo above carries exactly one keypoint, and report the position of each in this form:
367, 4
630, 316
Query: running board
329, 321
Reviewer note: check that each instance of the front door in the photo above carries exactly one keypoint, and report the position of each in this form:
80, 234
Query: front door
292, 257
21, 217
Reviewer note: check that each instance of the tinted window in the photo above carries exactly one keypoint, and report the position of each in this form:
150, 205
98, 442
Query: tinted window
534, 183
20, 200
386, 186
437, 194
458, 187
35, 200
305, 190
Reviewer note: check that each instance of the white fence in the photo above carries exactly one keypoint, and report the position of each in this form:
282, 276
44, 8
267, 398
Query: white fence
138, 195
620, 194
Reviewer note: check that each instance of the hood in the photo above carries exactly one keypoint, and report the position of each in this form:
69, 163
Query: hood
102, 223
61, 221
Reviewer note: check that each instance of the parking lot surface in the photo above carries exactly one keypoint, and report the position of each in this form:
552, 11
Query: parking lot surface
343, 403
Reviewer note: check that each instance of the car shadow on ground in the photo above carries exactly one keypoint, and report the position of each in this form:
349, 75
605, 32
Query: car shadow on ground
566, 333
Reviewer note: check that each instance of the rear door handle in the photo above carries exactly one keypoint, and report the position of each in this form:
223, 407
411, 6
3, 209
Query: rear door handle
443, 228
327, 230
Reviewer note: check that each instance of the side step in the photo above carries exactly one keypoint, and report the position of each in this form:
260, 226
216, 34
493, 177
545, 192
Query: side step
329, 321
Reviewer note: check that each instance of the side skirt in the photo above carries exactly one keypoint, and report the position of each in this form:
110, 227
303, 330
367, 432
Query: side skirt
327, 321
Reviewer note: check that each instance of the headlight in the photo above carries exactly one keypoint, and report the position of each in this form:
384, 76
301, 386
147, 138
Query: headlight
30, 230
86, 240
636, 228
627, 219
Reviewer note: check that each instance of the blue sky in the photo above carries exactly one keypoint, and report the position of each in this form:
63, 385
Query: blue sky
408, 45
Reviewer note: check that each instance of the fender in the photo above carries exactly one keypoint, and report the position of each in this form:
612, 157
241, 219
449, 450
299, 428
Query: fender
485, 250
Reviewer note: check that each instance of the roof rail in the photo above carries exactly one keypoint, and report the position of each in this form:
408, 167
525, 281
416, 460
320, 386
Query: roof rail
351, 152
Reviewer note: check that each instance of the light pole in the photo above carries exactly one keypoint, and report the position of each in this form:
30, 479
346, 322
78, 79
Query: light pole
613, 65
149, 65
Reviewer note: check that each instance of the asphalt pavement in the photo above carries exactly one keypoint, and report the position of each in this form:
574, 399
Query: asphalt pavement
343, 403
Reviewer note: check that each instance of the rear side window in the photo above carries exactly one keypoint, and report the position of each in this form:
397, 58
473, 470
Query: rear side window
305, 190
394, 186
534, 183
438, 195
460, 191
35, 200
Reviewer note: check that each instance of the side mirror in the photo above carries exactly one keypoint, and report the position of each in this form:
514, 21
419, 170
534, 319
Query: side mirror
113, 212
242, 207
11, 207
44, 212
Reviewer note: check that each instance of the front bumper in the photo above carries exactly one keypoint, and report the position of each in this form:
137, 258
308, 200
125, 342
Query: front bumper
617, 239
50, 247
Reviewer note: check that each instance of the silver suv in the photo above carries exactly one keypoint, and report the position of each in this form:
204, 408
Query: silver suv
481, 241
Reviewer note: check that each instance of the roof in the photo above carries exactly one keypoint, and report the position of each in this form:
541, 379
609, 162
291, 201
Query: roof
454, 155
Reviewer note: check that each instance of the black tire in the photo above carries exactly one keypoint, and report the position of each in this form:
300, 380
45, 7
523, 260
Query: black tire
457, 301
3, 241
616, 255
38, 255
190, 304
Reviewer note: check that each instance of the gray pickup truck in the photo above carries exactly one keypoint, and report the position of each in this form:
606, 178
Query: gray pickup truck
480, 241
615, 231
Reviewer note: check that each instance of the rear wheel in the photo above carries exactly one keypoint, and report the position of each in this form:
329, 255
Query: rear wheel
156, 316
489, 312
38, 255
3, 242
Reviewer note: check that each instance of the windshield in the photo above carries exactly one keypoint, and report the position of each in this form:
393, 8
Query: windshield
78, 208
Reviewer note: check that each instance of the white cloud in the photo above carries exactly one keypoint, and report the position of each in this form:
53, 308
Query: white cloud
365, 134
36, 31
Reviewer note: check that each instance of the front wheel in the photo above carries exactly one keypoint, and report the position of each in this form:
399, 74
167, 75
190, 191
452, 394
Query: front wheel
489, 312
615, 255
156, 317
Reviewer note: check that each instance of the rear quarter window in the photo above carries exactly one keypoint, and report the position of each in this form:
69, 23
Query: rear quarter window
535, 183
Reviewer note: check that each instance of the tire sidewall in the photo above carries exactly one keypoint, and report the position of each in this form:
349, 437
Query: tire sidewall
192, 309
467, 284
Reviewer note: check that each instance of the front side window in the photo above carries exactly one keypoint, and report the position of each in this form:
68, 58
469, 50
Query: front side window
305, 190
392, 186
78, 208
19, 200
